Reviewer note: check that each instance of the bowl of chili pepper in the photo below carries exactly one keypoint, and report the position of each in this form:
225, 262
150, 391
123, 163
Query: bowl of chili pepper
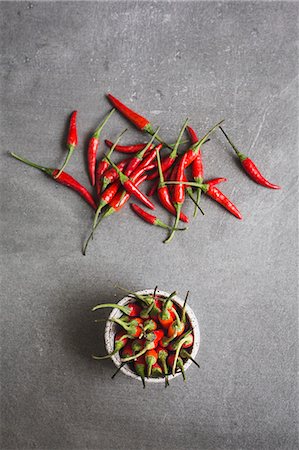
151, 335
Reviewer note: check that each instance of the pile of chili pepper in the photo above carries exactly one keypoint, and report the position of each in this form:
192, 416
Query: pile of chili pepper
175, 176
154, 336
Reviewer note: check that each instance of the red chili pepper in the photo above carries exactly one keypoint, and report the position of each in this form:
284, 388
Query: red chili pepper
220, 198
164, 196
140, 122
192, 134
131, 188
249, 167
126, 148
166, 316
215, 181
195, 148
106, 197
110, 175
131, 309
71, 143
93, 148
104, 163
149, 325
64, 178
133, 327
178, 195
153, 188
147, 163
139, 365
162, 357
197, 167
117, 202
136, 160
151, 358
153, 220
121, 339
178, 347
168, 161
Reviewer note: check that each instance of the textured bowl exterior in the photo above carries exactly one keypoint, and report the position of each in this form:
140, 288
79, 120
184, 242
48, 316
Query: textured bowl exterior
110, 331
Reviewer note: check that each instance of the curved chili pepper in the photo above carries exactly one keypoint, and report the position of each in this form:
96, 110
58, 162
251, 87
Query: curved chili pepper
126, 148
64, 178
131, 188
153, 220
93, 148
178, 195
164, 196
71, 143
249, 167
136, 160
104, 163
168, 161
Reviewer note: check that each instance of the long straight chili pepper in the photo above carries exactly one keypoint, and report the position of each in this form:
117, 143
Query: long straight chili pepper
131, 309
118, 202
164, 196
153, 188
197, 167
178, 196
132, 148
64, 178
71, 143
93, 148
139, 365
135, 161
106, 196
131, 188
153, 220
169, 160
216, 195
121, 340
249, 166
104, 163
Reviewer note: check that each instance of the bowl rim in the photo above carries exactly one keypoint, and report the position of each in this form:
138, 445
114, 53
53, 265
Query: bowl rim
110, 330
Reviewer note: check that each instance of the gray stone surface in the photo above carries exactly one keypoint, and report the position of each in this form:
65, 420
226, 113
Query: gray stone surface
168, 60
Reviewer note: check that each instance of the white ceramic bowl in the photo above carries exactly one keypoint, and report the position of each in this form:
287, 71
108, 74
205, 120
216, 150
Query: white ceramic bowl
110, 331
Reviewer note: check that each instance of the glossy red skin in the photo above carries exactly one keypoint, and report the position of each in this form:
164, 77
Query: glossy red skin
136, 161
220, 198
155, 185
192, 134
166, 322
138, 120
143, 214
67, 180
103, 165
256, 175
91, 158
119, 337
164, 197
111, 175
119, 200
166, 164
132, 189
135, 309
72, 138
197, 168
179, 189
216, 181
109, 192
186, 345
173, 331
126, 148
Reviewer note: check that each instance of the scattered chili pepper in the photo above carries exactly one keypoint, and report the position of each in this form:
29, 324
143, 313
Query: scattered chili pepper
153, 220
197, 167
110, 175
131, 309
106, 197
249, 166
168, 161
126, 148
178, 195
64, 178
121, 339
72, 142
131, 188
139, 365
155, 184
104, 163
164, 196
136, 160
93, 148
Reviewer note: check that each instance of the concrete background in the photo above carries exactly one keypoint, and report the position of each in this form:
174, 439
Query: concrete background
168, 60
